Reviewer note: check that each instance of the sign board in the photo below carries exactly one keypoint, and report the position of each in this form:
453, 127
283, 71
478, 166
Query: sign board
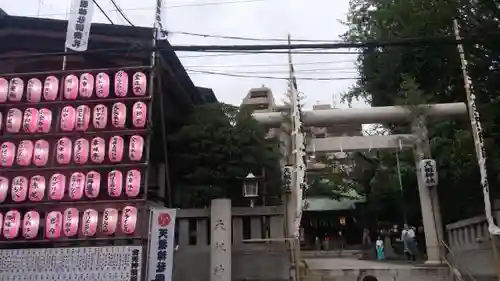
114, 263
80, 20
161, 244
428, 172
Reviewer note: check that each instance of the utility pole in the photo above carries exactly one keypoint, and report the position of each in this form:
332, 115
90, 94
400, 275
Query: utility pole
477, 134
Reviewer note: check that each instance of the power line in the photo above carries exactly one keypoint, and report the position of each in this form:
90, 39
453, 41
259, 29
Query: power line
102, 11
167, 7
248, 38
274, 48
311, 71
270, 77
307, 52
214, 3
120, 11
270, 65
214, 55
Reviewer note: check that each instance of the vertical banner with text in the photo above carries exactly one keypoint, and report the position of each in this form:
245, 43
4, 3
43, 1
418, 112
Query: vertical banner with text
161, 244
79, 22
160, 20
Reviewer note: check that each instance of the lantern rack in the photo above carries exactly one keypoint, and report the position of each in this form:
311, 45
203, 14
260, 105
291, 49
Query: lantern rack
140, 236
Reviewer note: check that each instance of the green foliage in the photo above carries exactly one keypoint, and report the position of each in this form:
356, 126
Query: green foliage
219, 145
431, 74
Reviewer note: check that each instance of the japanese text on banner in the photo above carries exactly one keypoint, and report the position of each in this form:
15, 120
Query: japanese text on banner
161, 247
80, 20
159, 24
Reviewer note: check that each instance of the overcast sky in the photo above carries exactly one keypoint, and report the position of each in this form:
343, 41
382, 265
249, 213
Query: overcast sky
269, 19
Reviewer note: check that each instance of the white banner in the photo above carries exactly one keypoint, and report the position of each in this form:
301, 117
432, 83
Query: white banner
80, 19
160, 20
161, 244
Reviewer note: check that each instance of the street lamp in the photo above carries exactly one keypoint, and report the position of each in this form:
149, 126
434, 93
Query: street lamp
251, 187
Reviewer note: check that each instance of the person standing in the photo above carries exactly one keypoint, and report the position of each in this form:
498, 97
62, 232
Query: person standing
408, 237
379, 247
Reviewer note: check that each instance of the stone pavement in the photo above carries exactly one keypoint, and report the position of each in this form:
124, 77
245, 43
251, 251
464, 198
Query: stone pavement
351, 269
350, 263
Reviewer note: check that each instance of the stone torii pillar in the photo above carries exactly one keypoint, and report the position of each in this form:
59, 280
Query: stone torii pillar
429, 201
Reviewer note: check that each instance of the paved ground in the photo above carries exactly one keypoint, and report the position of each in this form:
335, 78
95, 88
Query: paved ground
351, 263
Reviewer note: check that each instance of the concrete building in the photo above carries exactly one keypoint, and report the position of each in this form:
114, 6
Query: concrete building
260, 100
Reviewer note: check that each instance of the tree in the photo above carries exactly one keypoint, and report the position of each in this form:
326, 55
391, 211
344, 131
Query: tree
218, 146
433, 70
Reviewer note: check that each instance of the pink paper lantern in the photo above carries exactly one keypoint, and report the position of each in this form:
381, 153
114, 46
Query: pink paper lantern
129, 220
76, 186
86, 85
71, 220
97, 150
118, 115
115, 151
19, 189
81, 151
89, 222
53, 225
139, 114
50, 88
115, 183
44, 120
102, 85
16, 88
71, 87
63, 150
135, 148
68, 118
31, 224
34, 90
57, 186
4, 188
100, 116
36, 191
7, 154
109, 221
133, 183
139, 83
92, 184
121, 83
4, 90
14, 120
11, 224
82, 117
41, 153
24, 153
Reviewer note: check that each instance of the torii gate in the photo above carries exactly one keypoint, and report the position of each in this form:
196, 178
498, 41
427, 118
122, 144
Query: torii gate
418, 140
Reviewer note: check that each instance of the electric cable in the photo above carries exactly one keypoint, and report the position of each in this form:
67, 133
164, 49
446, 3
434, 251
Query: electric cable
270, 65
120, 11
167, 6
410, 42
311, 71
248, 38
213, 55
103, 12
270, 77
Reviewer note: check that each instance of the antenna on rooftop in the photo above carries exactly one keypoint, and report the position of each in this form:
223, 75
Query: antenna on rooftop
334, 102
